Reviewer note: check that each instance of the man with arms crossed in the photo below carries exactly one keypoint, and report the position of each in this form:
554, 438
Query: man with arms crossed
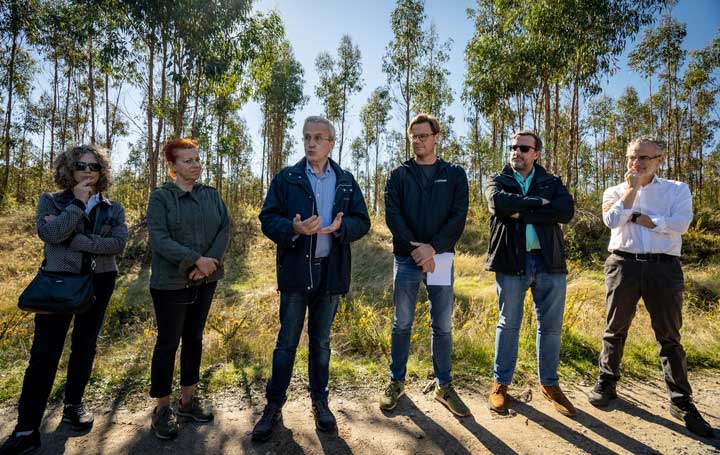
426, 203
647, 216
526, 251
312, 211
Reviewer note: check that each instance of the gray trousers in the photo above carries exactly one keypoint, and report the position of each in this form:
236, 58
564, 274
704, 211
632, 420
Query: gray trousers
660, 285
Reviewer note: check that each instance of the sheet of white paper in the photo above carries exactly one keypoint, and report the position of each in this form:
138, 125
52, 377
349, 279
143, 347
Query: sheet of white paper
442, 276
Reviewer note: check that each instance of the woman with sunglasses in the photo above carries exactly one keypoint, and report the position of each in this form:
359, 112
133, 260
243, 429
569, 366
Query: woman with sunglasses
77, 225
189, 231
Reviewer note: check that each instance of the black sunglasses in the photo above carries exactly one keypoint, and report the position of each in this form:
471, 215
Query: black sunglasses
82, 165
522, 148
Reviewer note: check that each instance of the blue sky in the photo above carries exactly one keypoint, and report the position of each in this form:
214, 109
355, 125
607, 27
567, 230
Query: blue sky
316, 26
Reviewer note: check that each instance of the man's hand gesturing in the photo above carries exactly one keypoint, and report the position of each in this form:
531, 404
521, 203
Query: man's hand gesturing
309, 226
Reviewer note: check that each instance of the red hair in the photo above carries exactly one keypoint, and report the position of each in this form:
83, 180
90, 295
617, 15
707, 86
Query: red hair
177, 144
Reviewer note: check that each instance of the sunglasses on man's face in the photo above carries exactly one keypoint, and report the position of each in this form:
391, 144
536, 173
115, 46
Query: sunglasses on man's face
522, 148
81, 166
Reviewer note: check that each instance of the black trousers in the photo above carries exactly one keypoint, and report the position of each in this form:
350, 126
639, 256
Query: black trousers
180, 314
47, 348
660, 285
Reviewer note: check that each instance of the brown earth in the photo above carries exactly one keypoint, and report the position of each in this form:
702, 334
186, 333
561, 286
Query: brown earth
638, 422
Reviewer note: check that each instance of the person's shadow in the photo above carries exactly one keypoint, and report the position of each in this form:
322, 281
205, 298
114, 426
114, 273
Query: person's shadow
444, 440
635, 410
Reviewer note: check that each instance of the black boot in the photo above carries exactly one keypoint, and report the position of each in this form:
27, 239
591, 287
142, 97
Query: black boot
602, 393
688, 413
272, 415
324, 418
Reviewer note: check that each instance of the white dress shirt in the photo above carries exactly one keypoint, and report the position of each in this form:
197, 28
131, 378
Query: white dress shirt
668, 203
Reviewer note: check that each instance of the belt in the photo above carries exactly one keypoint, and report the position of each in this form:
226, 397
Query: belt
318, 261
535, 252
645, 257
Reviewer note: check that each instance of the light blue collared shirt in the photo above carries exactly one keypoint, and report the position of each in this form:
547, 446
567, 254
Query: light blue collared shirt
324, 192
532, 242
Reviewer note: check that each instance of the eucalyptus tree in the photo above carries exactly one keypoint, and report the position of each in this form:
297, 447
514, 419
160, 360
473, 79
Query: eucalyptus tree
403, 55
433, 92
374, 116
340, 78
16, 23
661, 50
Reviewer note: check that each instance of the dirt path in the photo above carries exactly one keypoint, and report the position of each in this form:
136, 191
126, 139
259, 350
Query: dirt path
637, 423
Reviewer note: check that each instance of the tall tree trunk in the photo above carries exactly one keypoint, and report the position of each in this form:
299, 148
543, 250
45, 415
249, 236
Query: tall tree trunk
163, 98
106, 84
66, 112
556, 120
547, 124
91, 87
53, 111
8, 110
149, 112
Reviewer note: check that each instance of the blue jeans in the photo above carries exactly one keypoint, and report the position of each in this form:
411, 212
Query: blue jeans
548, 291
321, 308
406, 283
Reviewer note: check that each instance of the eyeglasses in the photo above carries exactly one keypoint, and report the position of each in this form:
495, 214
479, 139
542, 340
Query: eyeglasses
318, 138
522, 148
420, 137
82, 165
642, 159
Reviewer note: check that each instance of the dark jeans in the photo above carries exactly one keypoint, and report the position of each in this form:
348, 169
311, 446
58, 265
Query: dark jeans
180, 314
47, 348
660, 284
321, 308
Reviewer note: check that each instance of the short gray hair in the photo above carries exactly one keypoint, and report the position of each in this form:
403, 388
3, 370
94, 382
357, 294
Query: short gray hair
659, 144
320, 119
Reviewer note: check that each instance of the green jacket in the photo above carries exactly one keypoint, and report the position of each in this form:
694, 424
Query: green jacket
183, 226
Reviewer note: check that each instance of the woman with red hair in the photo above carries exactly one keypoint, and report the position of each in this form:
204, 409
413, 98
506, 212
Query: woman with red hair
189, 230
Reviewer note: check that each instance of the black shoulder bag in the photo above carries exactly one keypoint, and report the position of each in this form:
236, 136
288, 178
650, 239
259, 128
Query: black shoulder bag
63, 292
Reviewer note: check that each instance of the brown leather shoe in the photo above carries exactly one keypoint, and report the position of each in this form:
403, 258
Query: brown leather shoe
559, 400
497, 400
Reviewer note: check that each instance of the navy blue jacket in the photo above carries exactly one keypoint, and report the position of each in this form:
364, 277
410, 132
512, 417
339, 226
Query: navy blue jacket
290, 193
506, 249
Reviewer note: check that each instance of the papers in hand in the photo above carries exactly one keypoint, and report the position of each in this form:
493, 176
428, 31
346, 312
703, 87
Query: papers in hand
442, 276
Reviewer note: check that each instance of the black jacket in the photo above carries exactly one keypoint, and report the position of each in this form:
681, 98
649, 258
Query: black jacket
433, 214
290, 193
506, 249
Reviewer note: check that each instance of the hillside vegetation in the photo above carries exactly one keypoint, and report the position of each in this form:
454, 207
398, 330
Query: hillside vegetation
241, 330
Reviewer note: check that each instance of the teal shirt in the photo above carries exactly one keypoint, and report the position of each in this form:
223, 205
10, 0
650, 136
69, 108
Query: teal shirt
531, 239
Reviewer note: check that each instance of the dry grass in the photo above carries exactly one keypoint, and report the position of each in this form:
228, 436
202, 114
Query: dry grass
241, 331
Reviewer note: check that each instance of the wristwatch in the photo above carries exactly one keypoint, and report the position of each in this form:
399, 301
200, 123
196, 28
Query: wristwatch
635, 216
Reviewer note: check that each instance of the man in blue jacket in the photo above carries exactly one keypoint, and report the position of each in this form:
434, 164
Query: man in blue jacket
312, 211
426, 204
526, 251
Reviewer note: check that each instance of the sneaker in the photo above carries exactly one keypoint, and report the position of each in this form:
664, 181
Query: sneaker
164, 423
688, 413
78, 416
497, 400
602, 393
392, 394
195, 410
449, 397
17, 445
272, 415
560, 402
324, 418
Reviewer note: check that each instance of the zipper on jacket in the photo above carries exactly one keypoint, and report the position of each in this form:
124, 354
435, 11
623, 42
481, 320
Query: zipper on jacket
309, 255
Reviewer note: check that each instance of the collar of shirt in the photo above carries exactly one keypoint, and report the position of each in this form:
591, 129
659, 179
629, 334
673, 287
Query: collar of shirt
92, 202
524, 182
327, 172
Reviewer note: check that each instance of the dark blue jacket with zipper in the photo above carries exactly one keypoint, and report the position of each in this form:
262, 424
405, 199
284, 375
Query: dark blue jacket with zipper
290, 193
506, 249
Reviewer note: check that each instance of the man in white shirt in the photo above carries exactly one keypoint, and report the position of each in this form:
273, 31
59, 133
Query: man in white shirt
647, 216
